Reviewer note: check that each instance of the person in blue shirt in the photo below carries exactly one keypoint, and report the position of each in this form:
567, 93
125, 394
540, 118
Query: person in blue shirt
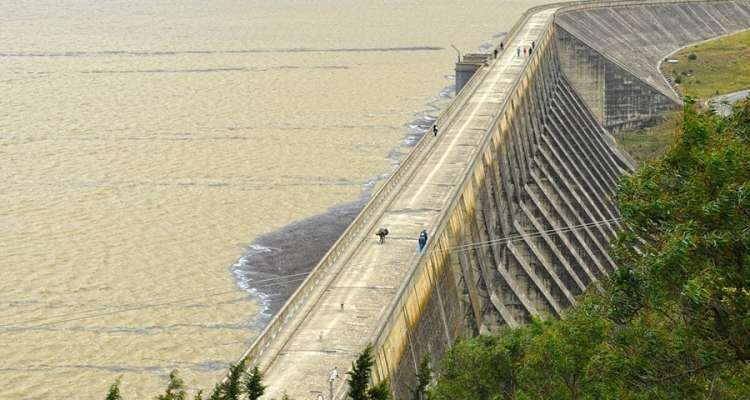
422, 240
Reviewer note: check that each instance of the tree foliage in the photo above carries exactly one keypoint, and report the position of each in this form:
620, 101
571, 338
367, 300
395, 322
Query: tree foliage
231, 388
424, 376
254, 387
359, 376
381, 391
674, 320
175, 388
359, 379
114, 391
216, 393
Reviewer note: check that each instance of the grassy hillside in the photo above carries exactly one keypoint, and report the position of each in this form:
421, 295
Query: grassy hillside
703, 71
649, 143
712, 68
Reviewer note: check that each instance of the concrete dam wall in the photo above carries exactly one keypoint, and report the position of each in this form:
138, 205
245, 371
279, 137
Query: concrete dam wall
530, 230
532, 227
516, 192
612, 54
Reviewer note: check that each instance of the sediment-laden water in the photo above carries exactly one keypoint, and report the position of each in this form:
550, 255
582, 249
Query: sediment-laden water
170, 169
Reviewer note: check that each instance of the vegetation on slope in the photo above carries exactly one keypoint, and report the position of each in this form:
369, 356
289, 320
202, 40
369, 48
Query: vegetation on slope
711, 68
705, 70
648, 143
674, 320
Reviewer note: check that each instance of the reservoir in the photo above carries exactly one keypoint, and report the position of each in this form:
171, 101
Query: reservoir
169, 169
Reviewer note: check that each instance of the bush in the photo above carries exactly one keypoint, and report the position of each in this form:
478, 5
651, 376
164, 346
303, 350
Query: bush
678, 79
692, 56
672, 321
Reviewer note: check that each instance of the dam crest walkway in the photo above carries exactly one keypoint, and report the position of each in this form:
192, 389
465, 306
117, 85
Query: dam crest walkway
344, 308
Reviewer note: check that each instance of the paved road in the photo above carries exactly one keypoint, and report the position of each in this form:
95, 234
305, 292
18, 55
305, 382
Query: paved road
724, 102
351, 299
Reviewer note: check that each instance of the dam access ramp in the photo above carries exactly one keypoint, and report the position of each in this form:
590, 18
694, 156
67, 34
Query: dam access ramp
342, 305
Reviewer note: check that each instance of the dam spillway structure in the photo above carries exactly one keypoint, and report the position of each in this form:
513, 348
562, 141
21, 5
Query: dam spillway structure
515, 192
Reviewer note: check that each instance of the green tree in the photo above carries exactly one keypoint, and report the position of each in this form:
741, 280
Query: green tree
359, 376
231, 388
175, 388
199, 395
687, 216
114, 391
424, 376
217, 393
254, 387
381, 391
359, 379
557, 362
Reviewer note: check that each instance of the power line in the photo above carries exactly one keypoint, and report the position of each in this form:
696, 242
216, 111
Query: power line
530, 234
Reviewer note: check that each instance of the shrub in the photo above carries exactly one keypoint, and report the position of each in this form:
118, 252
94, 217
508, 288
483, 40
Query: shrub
692, 56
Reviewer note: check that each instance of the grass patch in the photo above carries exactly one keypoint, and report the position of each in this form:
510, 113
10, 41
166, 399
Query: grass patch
648, 143
712, 68
703, 71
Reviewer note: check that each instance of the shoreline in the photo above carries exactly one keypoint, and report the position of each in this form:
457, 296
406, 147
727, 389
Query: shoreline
280, 260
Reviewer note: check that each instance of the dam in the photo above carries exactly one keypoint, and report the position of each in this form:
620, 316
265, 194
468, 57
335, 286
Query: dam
515, 191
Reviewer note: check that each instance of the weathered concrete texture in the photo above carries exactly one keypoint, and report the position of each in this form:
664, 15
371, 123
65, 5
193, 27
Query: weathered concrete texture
611, 54
618, 99
532, 227
529, 231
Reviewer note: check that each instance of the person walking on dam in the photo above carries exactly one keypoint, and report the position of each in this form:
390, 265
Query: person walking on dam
381, 234
518, 52
434, 130
422, 240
